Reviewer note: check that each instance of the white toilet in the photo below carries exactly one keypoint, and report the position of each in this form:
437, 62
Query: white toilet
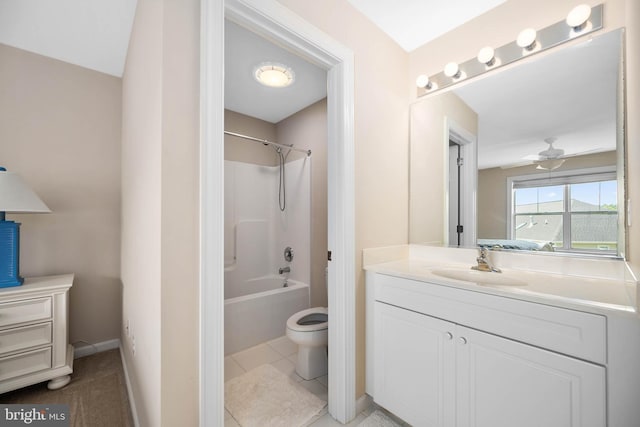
310, 330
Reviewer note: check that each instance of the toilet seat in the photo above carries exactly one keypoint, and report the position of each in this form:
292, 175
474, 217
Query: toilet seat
292, 322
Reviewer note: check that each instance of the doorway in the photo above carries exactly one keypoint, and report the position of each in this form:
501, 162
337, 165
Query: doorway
461, 188
275, 22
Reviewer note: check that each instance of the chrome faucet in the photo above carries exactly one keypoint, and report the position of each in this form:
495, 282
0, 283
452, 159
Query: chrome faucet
286, 269
484, 264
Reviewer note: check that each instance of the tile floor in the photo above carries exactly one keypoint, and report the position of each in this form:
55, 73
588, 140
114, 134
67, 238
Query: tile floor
281, 353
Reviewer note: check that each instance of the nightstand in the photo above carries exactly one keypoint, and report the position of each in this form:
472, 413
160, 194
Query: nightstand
34, 333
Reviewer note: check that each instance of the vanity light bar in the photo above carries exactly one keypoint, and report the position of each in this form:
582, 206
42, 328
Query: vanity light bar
578, 23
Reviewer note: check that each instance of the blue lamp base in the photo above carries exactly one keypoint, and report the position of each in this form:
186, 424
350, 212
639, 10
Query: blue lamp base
10, 254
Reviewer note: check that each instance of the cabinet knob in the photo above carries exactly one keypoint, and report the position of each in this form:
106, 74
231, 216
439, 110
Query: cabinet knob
449, 335
463, 340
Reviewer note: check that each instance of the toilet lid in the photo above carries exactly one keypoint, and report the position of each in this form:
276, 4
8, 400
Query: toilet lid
309, 320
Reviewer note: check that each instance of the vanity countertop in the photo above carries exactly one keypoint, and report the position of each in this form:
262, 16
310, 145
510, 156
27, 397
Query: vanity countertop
592, 294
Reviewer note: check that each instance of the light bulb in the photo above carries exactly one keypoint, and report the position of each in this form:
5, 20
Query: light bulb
578, 17
452, 70
423, 82
527, 39
487, 56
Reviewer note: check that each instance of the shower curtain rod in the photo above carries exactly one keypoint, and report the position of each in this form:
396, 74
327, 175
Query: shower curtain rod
264, 141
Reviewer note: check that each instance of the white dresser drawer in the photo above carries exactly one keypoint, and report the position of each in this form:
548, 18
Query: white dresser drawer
22, 311
570, 332
25, 337
25, 363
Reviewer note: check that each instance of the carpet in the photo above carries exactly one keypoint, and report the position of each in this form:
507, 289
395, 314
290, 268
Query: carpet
97, 394
378, 419
265, 397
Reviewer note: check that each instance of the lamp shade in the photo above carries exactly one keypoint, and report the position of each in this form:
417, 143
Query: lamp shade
16, 196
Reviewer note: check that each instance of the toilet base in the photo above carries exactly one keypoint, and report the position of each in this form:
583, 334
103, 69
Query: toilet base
312, 362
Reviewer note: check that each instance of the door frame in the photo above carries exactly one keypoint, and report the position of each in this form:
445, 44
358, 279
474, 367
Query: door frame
469, 184
278, 24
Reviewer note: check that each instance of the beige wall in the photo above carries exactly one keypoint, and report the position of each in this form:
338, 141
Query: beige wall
60, 130
308, 129
160, 234
427, 202
141, 210
180, 212
241, 150
492, 190
506, 21
381, 135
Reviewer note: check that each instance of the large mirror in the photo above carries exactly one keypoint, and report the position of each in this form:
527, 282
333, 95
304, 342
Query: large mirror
530, 157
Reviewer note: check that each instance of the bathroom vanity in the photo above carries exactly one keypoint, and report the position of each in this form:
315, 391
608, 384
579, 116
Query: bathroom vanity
449, 348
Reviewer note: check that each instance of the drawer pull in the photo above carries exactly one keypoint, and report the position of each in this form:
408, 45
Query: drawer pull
463, 340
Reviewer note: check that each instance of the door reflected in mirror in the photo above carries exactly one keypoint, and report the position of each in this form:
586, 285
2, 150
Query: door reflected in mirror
541, 156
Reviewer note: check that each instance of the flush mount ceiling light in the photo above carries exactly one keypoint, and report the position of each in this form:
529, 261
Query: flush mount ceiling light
273, 74
579, 16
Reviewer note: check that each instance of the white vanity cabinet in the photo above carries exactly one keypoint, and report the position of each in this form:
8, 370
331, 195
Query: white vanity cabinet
34, 337
444, 357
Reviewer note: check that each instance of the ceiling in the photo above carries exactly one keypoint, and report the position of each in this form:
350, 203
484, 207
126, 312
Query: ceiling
570, 94
412, 23
95, 34
90, 33
244, 51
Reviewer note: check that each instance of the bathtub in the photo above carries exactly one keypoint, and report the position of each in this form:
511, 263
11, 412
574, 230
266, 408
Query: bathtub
256, 310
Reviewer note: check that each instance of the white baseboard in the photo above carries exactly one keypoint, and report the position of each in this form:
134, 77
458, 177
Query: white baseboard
86, 349
132, 402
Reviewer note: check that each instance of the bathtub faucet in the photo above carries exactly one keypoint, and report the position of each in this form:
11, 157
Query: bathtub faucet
282, 270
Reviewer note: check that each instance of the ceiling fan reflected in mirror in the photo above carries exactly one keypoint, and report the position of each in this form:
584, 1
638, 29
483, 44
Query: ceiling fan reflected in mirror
551, 158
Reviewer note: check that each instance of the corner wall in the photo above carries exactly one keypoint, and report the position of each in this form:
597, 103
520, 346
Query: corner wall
60, 131
160, 233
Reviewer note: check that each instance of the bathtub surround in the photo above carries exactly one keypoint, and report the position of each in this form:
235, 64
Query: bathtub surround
258, 299
256, 231
306, 128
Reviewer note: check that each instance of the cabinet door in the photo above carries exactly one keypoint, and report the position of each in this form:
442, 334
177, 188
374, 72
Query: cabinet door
414, 366
503, 383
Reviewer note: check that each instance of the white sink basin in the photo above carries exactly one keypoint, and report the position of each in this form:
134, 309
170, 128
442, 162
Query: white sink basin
479, 277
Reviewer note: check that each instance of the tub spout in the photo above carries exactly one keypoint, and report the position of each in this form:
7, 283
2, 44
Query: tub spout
283, 270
